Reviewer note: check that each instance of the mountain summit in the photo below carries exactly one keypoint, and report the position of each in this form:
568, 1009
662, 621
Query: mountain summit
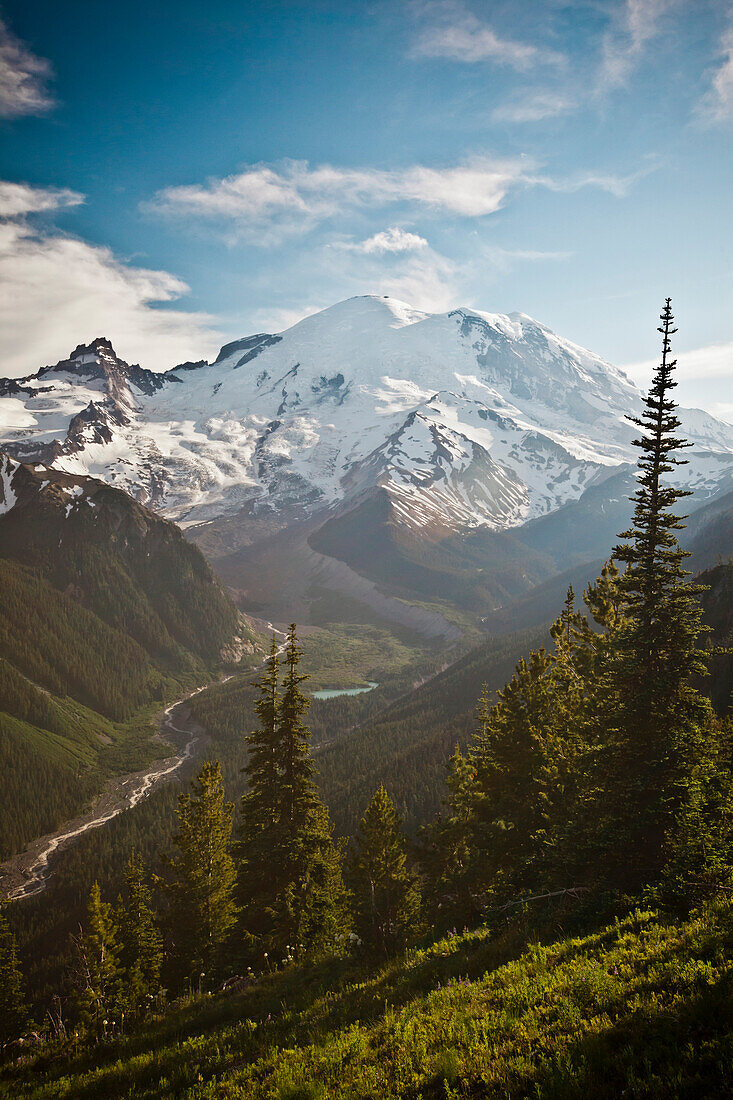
464, 419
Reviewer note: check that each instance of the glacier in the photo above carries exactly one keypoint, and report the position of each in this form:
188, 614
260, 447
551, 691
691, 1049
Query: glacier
466, 419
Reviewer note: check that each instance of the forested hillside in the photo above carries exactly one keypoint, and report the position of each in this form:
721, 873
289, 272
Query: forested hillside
105, 612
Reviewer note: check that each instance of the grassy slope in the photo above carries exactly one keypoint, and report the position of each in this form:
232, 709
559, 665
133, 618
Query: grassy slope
641, 1008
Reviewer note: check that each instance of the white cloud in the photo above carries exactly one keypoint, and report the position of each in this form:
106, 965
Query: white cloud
18, 199
280, 318
263, 203
635, 24
57, 291
454, 32
428, 282
717, 104
615, 185
503, 258
392, 239
23, 78
534, 107
704, 376
715, 361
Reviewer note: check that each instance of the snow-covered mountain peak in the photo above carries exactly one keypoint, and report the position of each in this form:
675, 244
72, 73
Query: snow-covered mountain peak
366, 312
465, 418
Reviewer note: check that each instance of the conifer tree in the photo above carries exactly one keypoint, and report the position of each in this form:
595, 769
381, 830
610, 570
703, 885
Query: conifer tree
295, 766
605, 598
451, 849
290, 880
312, 911
699, 852
99, 972
386, 893
260, 801
506, 759
518, 803
660, 653
13, 1011
482, 731
142, 944
259, 815
202, 876
660, 723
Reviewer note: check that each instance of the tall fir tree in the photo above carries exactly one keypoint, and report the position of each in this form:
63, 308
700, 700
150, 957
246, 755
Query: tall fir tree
507, 759
660, 652
290, 879
295, 765
259, 814
660, 722
141, 942
312, 911
261, 769
386, 892
202, 875
13, 1010
98, 970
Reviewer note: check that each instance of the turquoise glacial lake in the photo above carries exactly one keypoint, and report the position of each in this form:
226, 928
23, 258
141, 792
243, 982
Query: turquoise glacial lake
332, 693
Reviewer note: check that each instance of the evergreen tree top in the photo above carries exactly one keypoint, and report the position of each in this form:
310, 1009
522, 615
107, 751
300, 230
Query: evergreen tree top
664, 615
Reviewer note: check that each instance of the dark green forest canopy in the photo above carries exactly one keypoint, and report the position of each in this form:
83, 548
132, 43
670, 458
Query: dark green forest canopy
105, 613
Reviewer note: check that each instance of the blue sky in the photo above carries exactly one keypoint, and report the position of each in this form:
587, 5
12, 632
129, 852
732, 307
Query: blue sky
177, 175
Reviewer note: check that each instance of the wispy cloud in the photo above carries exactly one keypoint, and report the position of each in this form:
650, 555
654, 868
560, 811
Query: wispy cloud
714, 361
19, 199
717, 104
280, 318
393, 239
449, 30
503, 258
616, 185
426, 281
23, 78
635, 24
264, 202
534, 107
80, 291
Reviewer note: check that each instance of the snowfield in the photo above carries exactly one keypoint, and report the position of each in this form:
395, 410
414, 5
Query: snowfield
466, 419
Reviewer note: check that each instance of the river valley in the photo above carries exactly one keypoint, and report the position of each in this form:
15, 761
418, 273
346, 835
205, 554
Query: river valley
27, 873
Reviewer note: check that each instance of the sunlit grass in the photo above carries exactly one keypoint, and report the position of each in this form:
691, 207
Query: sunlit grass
643, 1008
